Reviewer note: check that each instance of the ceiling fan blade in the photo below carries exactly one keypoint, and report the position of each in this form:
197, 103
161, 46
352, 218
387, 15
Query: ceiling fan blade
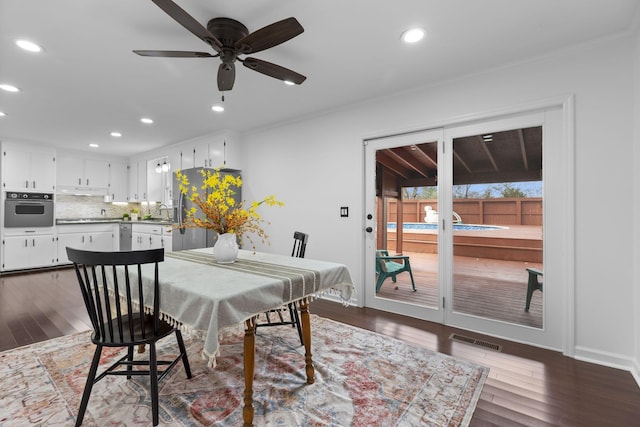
273, 70
269, 36
189, 22
174, 54
226, 76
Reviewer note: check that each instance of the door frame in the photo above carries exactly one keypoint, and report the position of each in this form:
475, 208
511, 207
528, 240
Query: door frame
564, 154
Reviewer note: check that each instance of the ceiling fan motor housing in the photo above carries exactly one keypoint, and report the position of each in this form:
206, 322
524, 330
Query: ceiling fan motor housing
227, 30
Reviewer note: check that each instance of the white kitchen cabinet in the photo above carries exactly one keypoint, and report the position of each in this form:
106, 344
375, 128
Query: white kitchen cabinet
26, 167
118, 182
155, 181
187, 157
137, 181
28, 251
216, 152
78, 172
151, 236
91, 237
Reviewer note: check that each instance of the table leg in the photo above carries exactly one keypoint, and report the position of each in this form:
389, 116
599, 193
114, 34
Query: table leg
306, 333
249, 362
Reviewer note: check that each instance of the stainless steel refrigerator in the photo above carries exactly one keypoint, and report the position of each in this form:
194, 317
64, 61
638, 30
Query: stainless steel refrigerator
192, 238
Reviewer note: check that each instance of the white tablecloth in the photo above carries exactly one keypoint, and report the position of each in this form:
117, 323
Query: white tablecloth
205, 296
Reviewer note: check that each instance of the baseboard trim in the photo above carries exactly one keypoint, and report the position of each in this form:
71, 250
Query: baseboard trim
611, 360
635, 371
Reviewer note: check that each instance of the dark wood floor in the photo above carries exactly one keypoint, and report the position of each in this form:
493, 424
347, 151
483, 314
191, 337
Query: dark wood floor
527, 386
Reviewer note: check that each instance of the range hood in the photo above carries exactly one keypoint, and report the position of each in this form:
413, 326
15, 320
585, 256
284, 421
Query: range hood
82, 191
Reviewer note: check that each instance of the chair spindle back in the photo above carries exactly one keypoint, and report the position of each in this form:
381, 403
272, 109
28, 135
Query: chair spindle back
299, 244
109, 280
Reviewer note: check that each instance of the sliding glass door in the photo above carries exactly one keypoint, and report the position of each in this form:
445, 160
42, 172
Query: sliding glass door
467, 206
403, 233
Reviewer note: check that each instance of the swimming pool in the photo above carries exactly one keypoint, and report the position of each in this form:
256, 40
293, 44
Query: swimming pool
425, 226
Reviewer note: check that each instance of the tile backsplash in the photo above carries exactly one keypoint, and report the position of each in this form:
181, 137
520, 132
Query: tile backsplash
71, 207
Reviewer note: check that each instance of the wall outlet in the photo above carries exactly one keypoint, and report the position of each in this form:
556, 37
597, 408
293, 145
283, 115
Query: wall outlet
344, 211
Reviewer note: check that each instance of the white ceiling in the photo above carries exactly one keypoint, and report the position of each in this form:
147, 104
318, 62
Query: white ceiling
88, 82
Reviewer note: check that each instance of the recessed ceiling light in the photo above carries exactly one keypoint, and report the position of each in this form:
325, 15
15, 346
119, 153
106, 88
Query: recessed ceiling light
9, 88
218, 108
115, 134
94, 145
30, 46
289, 82
413, 35
146, 120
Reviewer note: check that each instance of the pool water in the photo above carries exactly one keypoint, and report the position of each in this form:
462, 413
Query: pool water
459, 227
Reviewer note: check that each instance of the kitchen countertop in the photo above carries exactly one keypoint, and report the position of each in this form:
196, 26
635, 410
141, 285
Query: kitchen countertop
72, 221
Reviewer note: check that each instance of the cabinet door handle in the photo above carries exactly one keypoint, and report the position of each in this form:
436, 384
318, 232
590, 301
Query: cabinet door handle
26, 243
26, 184
34, 243
87, 181
34, 184
82, 239
90, 239
79, 181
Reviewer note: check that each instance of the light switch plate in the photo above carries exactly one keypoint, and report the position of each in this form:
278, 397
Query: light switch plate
344, 211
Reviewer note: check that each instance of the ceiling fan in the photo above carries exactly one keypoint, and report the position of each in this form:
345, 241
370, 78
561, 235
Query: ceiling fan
230, 39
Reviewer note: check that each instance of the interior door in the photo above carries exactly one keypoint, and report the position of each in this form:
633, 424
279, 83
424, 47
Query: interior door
385, 226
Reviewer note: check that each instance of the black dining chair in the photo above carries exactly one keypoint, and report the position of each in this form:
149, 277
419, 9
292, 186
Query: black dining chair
299, 247
124, 312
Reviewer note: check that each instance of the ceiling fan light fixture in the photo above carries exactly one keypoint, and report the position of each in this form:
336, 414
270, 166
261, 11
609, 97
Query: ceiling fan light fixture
29, 46
9, 88
218, 108
413, 35
146, 120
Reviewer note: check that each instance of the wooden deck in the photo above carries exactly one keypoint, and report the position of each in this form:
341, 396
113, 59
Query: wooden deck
495, 289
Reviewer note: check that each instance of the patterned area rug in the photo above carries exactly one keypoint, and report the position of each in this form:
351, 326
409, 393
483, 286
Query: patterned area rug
362, 379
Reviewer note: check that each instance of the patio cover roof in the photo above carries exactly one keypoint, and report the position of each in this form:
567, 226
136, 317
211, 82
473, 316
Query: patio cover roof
506, 156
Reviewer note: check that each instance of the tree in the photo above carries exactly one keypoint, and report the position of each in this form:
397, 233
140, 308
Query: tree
507, 189
413, 193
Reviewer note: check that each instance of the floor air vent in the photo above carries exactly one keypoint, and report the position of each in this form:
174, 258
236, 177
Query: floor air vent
473, 341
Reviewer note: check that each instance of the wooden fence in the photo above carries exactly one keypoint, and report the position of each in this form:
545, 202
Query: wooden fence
507, 211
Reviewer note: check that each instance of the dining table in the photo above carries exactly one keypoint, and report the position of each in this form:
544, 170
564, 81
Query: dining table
201, 296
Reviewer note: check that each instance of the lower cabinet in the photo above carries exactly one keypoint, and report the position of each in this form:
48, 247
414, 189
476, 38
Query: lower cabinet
92, 237
28, 251
151, 236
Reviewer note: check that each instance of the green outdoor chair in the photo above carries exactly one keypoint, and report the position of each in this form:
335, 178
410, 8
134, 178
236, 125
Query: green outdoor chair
532, 285
386, 266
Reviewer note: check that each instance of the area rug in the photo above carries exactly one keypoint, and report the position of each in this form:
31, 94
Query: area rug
362, 379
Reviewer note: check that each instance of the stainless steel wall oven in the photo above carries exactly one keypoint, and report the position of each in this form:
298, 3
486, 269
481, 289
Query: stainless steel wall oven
28, 210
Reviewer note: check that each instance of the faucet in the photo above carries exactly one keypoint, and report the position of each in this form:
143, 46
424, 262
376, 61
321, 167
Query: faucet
166, 208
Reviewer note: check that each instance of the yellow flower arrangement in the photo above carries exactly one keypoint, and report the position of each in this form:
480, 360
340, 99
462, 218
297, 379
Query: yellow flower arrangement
221, 212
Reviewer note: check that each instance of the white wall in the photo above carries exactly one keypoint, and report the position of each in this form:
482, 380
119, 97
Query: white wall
636, 156
316, 166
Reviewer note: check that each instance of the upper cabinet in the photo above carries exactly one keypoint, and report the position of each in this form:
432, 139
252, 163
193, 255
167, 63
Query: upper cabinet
118, 181
86, 173
210, 152
27, 167
137, 181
